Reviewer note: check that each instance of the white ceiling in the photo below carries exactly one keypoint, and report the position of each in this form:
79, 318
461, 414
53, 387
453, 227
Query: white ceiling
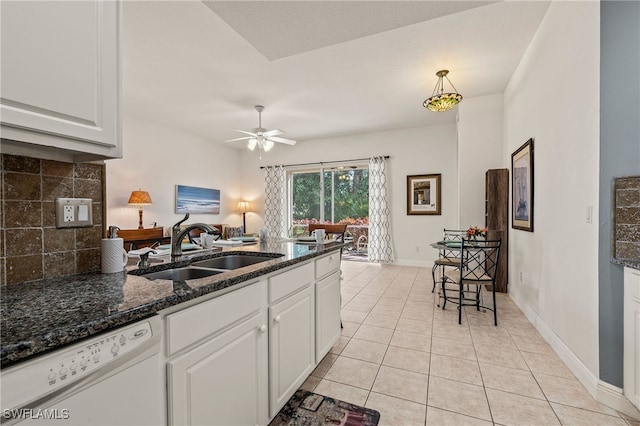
321, 69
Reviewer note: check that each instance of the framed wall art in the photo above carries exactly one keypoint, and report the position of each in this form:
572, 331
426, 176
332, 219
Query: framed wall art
423, 194
522, 187
191, 199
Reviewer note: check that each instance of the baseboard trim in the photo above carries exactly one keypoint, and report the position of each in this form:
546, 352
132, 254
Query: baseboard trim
577, 367
603, 392
613, 396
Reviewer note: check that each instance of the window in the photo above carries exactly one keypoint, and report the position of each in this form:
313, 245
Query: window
328, 195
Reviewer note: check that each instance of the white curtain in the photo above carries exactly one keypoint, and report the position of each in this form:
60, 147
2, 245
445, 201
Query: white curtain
379, 248
275, 202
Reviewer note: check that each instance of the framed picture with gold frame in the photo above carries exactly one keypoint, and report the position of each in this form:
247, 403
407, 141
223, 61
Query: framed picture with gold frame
424, 194
522, 187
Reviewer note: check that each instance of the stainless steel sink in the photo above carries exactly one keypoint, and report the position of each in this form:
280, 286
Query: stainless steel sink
208, 267
181, 274
233, 261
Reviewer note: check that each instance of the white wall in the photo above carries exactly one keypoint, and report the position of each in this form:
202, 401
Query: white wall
424, 150
553, 97
480, 148
156, 158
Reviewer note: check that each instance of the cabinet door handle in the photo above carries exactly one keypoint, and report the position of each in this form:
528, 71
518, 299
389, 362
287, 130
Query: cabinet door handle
262, 329
277, 319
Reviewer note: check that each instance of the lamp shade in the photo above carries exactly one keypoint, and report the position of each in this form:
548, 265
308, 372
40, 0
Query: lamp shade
140, 198
243, 206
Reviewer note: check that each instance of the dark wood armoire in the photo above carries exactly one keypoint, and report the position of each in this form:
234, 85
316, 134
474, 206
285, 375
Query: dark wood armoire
497, 219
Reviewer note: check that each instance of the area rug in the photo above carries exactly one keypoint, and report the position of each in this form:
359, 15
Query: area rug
308, 408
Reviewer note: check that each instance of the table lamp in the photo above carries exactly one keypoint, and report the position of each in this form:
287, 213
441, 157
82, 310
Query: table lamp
139, 199
243, 206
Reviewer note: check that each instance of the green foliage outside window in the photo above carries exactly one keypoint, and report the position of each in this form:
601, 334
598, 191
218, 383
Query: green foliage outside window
348, 188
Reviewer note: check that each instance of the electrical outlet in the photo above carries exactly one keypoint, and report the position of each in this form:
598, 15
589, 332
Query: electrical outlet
73, 213
68, 215
521, 276
417, 249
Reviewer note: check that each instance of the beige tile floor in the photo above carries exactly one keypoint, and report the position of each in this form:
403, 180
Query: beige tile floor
402, 355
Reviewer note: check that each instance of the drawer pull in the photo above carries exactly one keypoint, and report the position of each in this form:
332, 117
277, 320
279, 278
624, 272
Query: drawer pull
262, 329
277, 319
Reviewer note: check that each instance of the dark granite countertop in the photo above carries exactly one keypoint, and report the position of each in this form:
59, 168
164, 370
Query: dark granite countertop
629, 263
44, 315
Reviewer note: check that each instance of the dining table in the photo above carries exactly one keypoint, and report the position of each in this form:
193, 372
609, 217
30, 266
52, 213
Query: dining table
447, 245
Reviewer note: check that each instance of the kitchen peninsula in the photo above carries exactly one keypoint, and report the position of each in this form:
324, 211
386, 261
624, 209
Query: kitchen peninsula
267, 325
47, 314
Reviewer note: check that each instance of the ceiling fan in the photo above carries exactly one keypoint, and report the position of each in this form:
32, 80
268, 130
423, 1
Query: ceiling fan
260, 137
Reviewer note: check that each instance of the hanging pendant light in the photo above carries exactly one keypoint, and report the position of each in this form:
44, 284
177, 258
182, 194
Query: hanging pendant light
440, 101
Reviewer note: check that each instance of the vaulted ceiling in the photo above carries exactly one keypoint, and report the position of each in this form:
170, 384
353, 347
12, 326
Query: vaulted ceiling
321, 68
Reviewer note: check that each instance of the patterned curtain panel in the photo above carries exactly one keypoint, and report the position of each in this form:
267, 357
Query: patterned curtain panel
275, 201
379, 238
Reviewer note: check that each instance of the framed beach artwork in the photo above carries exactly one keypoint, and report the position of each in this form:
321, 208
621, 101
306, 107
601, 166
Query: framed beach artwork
522, 187
423, 194
191, 199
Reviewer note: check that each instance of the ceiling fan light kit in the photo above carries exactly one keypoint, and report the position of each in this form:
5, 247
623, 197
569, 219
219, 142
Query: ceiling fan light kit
439, 100
262, 138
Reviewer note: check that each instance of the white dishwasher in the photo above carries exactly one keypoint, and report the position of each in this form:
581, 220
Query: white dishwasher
115, 378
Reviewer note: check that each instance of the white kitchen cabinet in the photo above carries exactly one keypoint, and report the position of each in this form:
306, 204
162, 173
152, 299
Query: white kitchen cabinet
239, 357
631, 364
327, 264
327, 314
291, 346
60, 87
224, 378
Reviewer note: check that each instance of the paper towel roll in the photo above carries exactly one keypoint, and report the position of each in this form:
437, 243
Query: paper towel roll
114, 257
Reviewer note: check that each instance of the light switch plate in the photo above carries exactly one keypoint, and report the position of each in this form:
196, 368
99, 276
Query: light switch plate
589, 215
73, 213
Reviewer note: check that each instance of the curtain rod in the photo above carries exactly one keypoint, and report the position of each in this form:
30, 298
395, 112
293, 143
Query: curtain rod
326, 162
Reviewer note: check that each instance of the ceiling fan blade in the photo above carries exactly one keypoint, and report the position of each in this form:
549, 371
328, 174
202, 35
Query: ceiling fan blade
240, 139
274, 132
282, 140
245, 132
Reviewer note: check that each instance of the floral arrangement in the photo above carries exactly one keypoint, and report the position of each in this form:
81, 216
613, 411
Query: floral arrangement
474, 232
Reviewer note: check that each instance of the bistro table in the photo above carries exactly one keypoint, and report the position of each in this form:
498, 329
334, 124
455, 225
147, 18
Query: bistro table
453, 245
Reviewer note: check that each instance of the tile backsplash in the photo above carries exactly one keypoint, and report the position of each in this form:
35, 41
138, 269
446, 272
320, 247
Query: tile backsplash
627, 219
31, 247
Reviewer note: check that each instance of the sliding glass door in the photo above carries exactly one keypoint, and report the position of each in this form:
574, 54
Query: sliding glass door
331, 195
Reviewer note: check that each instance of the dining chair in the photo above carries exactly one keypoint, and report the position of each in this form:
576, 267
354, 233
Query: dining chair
448, 256
330, 230
338, 230
194, 234
478, 266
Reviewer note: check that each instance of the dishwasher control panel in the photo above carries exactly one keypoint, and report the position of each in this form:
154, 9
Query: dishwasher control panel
92, 355
33, 379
